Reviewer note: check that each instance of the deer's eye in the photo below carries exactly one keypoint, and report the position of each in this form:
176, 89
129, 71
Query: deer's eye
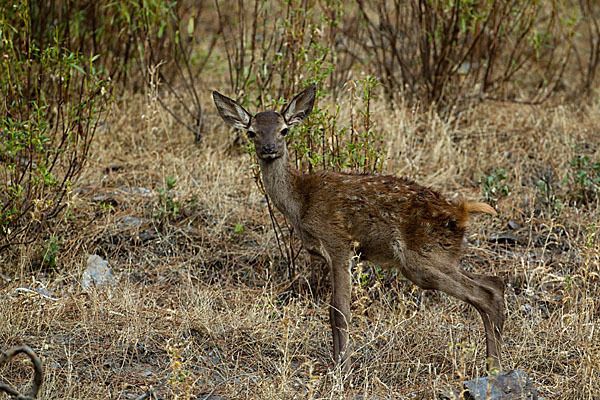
251, 134
284, 131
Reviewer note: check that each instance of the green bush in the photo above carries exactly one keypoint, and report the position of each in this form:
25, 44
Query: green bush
54, 99
324, 142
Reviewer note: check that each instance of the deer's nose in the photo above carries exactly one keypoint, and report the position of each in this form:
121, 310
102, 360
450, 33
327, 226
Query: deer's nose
268, 148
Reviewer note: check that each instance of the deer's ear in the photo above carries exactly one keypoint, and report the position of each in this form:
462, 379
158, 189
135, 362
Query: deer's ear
300, 107
231, 112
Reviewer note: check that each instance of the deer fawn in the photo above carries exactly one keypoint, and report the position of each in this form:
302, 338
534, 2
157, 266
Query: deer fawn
392, 222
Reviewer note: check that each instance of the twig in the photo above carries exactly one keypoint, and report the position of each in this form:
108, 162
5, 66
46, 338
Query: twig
38, 377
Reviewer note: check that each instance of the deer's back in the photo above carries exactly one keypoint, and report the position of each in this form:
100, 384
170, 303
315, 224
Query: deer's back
378, 212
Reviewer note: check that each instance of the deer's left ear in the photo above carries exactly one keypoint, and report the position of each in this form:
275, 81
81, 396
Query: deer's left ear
300, 107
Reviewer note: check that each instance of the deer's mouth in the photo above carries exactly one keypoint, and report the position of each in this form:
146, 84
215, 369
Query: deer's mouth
269, 156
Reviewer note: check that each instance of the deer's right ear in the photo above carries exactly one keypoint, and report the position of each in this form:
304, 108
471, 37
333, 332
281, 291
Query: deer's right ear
231, 112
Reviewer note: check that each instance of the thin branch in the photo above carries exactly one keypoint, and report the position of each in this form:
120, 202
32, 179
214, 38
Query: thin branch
38, 377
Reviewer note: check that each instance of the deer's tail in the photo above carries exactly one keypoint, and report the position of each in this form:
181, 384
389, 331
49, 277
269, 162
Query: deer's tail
473, 207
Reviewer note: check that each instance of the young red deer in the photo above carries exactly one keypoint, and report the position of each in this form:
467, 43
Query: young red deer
389, 221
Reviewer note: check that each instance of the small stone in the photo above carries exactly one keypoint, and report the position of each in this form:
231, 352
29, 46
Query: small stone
508, 385
138, 191
97, 274
514, 226
129, 222
503, 237
45, 293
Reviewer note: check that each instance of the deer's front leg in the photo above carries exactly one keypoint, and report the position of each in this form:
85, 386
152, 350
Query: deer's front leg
339, 312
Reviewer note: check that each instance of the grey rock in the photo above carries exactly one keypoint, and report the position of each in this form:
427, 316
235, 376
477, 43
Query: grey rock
514, 226
129, 222
105, 199
508, 385
97, 274
139, 191
47, 293
503, 237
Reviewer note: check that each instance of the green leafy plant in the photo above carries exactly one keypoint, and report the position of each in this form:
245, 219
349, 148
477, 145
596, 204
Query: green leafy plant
238, 229
52, 248
53, 100
169, 207
494, 185
323, 142
582, 180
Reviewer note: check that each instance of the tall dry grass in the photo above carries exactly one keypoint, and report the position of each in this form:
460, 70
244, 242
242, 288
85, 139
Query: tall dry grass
205, 307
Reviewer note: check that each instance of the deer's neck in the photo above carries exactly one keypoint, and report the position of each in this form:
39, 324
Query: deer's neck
278, 180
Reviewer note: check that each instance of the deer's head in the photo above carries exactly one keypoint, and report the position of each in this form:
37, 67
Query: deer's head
267, 129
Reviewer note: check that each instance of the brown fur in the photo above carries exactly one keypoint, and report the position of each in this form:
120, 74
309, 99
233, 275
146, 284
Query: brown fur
390, 221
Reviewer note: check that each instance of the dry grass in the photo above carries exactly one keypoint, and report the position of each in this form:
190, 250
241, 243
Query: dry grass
205, 308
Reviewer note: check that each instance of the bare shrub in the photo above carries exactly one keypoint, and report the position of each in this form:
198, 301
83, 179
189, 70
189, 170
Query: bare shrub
277, 48
587, 45
176, 57
451, 53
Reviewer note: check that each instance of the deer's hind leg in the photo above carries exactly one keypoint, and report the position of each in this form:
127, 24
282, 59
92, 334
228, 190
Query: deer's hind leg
485, 293
490, 305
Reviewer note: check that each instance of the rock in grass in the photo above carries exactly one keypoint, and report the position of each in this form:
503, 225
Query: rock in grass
97, 274
504, 237
126, 222
508, 385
